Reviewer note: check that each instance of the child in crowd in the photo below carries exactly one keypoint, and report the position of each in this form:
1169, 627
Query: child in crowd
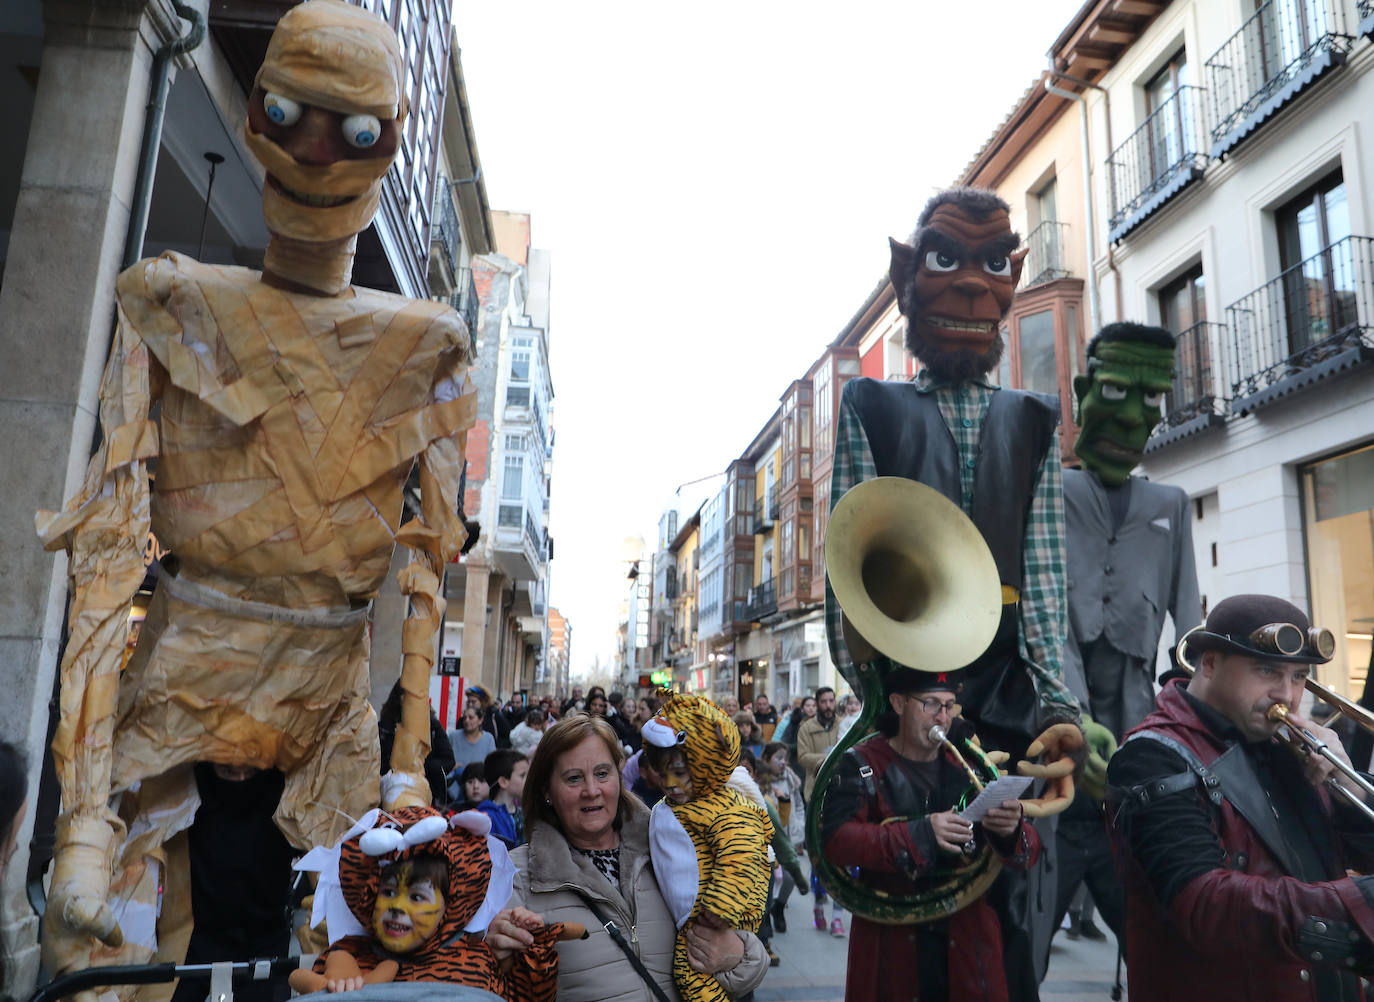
505, 771
783, 852
472, 786
411, 900
709, 843
782, 788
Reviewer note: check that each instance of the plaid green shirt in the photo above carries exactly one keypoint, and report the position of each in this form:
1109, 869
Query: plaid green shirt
1043, 609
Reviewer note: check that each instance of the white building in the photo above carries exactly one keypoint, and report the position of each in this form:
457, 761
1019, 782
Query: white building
1236, 208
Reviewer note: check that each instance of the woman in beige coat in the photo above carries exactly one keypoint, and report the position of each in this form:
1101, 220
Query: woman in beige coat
587, 832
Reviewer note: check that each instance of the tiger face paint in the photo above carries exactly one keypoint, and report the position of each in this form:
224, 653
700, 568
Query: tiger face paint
408, 911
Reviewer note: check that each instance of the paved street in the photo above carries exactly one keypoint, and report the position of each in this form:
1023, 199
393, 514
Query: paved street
813, 965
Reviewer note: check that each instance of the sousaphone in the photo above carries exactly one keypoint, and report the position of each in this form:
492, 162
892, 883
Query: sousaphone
916, 583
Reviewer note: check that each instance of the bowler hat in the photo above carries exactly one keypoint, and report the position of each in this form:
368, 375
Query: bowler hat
909, 680
1252, 625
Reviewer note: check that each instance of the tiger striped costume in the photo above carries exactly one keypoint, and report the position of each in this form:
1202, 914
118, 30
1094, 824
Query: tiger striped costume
450, 955
730, 834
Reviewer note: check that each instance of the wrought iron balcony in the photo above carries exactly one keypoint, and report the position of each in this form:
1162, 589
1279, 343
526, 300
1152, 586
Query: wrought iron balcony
1157, 161
1282, 48
765, 513
1045, 253
1198, 399
464, 300
762, 601
1366, 9
1313, 320
445, 242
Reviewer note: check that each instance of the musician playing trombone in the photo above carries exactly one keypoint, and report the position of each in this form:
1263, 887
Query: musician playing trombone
890, 812
1234, 851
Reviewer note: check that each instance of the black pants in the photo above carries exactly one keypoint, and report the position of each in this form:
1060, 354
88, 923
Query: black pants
1085, 856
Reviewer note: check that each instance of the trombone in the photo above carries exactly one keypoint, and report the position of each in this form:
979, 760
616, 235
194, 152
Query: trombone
1301, 739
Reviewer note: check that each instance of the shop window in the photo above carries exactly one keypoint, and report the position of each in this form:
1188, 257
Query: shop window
1338, 502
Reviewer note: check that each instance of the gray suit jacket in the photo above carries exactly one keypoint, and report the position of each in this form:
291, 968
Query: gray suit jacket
1120, 586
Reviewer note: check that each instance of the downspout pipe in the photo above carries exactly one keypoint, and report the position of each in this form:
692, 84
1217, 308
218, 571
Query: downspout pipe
1094, 306
152, 128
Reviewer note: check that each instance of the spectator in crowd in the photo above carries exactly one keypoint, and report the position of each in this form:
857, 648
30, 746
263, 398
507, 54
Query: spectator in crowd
596, 701
573, 702
589, 845
526, 734
764, 713
783, 854
493, 720
782, 787
816, 736
471, 743
802, 712
750, 736
438, 764
471, 787
505, 771
848, 712
624, 726
515, 709
647, 710
730, 705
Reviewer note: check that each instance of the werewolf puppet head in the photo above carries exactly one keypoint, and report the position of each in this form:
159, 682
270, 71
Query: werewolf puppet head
954, 282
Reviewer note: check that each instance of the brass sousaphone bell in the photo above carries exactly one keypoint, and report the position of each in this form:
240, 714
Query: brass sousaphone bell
912, 574
917, 583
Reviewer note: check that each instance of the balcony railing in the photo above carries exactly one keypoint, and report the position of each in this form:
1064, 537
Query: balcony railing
1280, 49
464, 300
765, 513
1198, 399
1045, 253
445, 241
763, 601
1303, 324
1366, 9
1157, 160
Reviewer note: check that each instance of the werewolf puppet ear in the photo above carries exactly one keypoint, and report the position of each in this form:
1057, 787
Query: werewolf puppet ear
1018, 259
903, 267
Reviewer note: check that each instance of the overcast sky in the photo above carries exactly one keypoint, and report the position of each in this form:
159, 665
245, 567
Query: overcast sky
716, 183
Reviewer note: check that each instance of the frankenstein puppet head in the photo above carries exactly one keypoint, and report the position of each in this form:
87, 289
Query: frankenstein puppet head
1130, 368
324, 120
954, 282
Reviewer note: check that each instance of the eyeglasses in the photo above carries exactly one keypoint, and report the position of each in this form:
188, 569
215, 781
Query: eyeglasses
934, 706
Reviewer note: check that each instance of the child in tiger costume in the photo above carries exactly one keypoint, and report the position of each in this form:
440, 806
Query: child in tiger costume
418, 892
709, 844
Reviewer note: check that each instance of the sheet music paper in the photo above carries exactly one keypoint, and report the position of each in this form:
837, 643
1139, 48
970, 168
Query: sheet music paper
1002, 788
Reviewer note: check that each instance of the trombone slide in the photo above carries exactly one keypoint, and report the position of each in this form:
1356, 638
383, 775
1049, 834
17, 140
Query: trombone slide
1304, 740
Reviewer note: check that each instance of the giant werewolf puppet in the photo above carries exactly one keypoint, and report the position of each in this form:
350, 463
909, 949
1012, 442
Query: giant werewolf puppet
994, 452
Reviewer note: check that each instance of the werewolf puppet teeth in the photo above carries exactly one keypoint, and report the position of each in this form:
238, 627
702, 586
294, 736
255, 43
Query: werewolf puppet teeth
976, 326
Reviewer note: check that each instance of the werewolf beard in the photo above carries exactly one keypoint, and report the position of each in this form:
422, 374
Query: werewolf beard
953, 367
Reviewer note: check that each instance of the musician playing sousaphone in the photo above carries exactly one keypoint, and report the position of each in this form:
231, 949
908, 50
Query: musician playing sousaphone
892, 811
1234, 852
994, 455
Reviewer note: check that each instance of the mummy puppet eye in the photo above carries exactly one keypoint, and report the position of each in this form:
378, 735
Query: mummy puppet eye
361, 131
940, 261
281, 110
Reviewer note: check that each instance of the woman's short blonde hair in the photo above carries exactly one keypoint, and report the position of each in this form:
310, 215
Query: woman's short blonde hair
559, 739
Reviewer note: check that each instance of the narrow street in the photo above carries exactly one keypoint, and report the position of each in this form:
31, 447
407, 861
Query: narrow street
813, 965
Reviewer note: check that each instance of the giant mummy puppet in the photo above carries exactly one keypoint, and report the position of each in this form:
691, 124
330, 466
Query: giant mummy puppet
293, 408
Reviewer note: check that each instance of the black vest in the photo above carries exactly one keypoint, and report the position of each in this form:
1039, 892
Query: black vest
908, 438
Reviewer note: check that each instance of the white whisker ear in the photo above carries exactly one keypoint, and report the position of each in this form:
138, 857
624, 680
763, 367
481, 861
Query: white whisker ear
380, 841
426, 830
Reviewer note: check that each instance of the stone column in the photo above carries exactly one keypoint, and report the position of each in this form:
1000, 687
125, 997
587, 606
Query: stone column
474, 613
56, 322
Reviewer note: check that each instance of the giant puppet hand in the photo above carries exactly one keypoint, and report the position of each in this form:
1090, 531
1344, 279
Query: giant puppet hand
1101, 747
77, 914
1062, 746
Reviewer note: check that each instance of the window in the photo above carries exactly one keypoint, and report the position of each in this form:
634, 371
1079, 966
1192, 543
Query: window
520, 366
1166, 138
1035, 337
509, 516
803, 550
513, 477
515, 443
788, 554
1319, 282
1046, 202
804, 416
805, 464
1183, 302
518, 396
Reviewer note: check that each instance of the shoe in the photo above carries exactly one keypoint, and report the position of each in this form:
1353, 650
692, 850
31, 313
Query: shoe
773, 959
1088, 929
837, 928
779, 918
1074, 930
819, 915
